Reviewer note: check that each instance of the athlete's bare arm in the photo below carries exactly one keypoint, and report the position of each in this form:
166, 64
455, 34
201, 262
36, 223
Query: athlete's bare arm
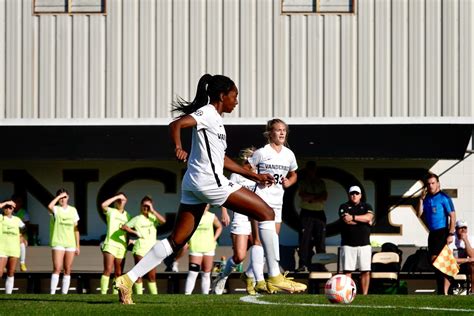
175, 134
264, 178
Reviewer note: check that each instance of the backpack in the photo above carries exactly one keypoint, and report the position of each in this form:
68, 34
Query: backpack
420, 261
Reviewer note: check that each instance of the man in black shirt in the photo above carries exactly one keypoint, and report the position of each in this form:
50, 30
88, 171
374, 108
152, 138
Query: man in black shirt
356, 253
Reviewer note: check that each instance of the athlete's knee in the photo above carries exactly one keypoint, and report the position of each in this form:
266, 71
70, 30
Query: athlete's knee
238, 258
174, 245
194, 267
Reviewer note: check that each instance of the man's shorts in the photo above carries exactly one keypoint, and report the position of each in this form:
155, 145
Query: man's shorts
356, 258
215, 197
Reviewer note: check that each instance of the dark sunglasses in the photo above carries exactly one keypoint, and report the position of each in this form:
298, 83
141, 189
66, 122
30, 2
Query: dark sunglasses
354, 193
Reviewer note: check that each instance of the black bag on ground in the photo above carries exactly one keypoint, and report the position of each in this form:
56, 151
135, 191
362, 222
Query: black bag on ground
420, 261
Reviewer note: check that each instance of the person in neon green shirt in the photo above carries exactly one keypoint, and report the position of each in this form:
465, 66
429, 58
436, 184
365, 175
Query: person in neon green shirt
64, 239
10, 232
202, 246
144, 227
114, 247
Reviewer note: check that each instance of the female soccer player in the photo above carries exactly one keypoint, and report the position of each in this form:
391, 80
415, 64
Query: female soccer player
202, 246
10, 233
114, 247
279, 161
64, 238
144, 226
204, 182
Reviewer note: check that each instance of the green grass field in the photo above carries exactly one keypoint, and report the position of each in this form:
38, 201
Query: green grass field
167, 304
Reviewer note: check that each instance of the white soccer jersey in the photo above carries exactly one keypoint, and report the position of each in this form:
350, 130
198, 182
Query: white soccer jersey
247, 183
206, 160
278, 164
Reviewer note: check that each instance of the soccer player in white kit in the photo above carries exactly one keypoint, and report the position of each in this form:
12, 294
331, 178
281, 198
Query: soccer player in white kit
279, 161
204, 182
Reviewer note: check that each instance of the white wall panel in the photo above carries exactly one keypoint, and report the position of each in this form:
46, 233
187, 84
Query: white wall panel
466, 58
64, 69
13, 60
433, 58
3, 46
391, 58
450, 66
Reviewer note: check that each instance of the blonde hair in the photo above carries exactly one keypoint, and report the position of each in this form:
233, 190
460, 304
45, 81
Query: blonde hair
269, 128
246, 153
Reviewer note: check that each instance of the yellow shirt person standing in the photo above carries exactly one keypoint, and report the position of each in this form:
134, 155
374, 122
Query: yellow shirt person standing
144, 227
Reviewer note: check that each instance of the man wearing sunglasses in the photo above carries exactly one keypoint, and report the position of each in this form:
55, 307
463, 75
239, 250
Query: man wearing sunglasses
356, 217
462, 245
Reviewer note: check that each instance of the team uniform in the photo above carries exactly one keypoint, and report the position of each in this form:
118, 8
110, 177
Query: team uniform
115, 241
240, 224
436, 209
278, 164
146, 227
356, 252
204, 180
62, 224
10, 236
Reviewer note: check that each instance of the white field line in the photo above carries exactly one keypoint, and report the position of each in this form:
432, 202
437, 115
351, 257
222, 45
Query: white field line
255, 300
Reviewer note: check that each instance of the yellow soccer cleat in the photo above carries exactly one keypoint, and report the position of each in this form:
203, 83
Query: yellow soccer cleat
280, 283
249, 284
124, 286
261, 287
23, 267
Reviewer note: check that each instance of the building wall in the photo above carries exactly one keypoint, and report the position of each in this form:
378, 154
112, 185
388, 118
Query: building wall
391, 58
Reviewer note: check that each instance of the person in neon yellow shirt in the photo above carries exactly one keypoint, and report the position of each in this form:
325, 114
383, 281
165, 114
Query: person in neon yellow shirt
202, 246
114, 247
64, 239
144, 227
10, 232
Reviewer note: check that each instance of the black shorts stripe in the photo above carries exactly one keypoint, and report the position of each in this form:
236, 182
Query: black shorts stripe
208, 149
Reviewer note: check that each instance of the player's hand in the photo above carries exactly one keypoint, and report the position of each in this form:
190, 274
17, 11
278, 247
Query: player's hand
181, 154
265, 179
450, 239
225, 219
62, 195
77, 252
285, 182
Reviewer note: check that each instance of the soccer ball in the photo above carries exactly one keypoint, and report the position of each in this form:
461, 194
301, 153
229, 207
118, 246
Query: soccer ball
340, 289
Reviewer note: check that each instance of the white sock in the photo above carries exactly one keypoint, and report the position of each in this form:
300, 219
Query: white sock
22, 253
54, 283
190, 282
65, 284
205, 282
154, 257
9, 284
229, 267
271, 245
249, 272
257, 262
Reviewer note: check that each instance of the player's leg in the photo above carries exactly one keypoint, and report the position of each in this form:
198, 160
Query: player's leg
23, 244
68, 260
58, 259
195, 261
257, 260
187, 221
206, 267
108, 266
248, 203
138, 286
151, 276
9, 281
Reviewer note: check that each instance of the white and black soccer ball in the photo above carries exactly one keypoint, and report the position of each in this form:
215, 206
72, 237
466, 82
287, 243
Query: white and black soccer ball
340, 289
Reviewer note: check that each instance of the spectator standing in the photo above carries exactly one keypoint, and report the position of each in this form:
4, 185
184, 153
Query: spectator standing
356, 253
313, 195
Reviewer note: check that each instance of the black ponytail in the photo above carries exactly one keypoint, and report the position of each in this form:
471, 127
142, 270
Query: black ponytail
209, 90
